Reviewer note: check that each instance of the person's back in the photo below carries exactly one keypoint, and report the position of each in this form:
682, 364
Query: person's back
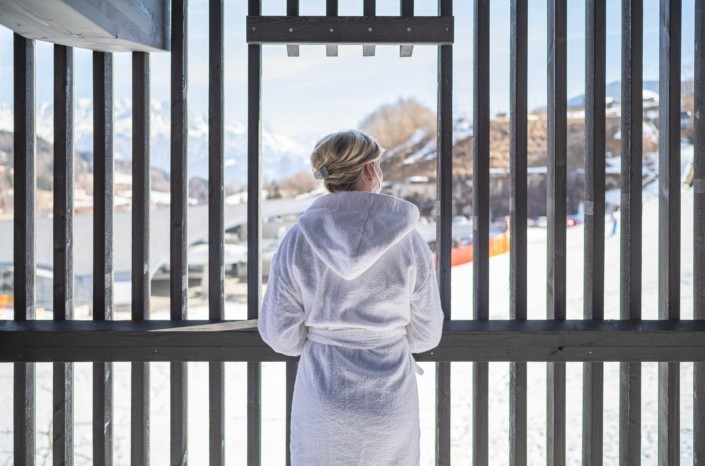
352, 290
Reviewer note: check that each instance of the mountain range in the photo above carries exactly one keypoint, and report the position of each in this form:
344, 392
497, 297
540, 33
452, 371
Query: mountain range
281, 155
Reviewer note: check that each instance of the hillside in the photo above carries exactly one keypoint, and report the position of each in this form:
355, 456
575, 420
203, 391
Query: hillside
83, 173
417, 156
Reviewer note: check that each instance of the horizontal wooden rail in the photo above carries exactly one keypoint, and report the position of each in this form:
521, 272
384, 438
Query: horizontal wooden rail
433, 30
463, 340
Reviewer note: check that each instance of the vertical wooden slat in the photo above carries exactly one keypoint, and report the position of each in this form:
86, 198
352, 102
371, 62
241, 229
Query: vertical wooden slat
216, 261
140, 382
216, 408
669, 220
62, 442
63, 182
141, 285
518, 220
291, 369
630, 413
254, 234
139, 423
481, 160
557, 20
444, 203
631, 223
481, 216
594, 286
332, 10
669, 159
593, 308
179, 181
179, 204
292, 9
699, 232
23, 237
444, 213
103, 185
407, 9
24, 178
369, 8
631, 176
102, 248
518, 158
556, 158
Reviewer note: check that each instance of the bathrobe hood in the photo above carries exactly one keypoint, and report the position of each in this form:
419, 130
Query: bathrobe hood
349, 231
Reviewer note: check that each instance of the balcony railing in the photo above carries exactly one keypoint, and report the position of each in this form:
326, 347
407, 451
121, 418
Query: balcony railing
556, 340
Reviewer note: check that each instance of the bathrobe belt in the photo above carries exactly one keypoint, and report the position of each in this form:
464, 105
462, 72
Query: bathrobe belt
359, 338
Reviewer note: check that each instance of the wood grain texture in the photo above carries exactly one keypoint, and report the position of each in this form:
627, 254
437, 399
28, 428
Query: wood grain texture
669, 221
481, 160
62, 396
291, 369
463, 340
481, 219
430, 30
141, 284
518, 94
106, 25
444, 212
699, 231
178, 266
254, 230
630, 269
556, 240
139, 413
63, 182
23, 241
103, 186
141, 186
669, 159
631, 163
594, 250
24, 179
216, 222
103, 249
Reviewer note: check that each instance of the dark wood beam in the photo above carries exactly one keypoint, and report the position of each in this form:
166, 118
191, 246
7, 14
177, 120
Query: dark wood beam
463, 340
434, 30
106, 26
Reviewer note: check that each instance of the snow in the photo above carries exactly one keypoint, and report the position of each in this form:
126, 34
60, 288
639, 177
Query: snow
281, 155
462, 129
273, 374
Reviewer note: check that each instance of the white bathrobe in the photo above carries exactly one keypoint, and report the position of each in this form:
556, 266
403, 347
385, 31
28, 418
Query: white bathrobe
352, 290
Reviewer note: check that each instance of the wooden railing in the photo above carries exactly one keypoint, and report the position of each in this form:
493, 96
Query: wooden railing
556, 340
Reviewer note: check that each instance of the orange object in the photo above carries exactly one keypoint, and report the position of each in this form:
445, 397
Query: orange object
5, 300
499, 244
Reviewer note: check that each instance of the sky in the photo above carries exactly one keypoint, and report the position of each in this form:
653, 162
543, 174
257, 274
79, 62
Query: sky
314, 94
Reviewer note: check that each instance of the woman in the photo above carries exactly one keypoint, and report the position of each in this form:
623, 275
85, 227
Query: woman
352, 290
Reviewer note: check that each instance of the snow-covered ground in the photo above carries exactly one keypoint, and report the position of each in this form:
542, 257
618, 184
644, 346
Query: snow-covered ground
273, 374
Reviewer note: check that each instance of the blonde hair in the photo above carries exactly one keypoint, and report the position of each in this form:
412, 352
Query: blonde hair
343, 155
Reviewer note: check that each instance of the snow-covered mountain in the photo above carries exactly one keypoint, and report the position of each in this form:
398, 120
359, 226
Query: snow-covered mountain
613, 91
281, 155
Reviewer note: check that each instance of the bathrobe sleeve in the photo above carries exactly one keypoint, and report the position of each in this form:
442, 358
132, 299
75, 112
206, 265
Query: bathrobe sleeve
281, 318
426, 320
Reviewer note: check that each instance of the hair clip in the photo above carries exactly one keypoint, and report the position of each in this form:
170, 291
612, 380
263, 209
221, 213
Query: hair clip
321, 173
